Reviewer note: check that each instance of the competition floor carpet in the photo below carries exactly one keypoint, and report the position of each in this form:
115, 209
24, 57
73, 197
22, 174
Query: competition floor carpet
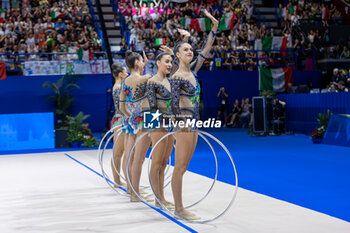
287, 184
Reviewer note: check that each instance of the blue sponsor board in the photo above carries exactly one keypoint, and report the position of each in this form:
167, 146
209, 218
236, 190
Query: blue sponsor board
26, 131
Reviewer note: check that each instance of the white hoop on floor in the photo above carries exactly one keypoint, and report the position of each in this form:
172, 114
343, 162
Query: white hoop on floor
216, 166
105, 175
101, 154
233, 196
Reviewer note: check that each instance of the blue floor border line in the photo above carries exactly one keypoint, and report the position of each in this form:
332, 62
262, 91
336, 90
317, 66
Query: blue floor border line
49, 150
159, 211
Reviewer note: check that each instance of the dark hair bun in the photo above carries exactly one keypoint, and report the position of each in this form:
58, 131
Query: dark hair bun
128, 53
130, 58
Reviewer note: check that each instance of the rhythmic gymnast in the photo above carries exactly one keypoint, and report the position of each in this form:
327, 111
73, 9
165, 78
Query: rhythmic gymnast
133, 102
185, 102
159, 98
119, 73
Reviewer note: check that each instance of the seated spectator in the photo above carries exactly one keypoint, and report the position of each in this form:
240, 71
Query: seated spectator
335, 77
245, 117
233, 118
345, 53
341, 87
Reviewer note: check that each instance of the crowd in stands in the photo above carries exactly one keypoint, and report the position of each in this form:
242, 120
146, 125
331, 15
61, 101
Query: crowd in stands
340, 81
322, 13
46, 26
154, 22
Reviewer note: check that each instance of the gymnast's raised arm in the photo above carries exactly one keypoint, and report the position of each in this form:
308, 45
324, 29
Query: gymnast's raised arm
197, 64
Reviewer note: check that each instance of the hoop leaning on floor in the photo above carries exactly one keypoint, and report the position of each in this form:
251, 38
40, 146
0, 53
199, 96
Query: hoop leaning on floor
203, 135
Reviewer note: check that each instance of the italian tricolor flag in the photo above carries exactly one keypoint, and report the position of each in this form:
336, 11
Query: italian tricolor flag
185, 22
160, 41
227, 21
274, 43
275, 79
2, 15
202, 24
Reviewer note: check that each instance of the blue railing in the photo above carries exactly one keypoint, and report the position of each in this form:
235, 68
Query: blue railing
281, 58
95, 22
288, 58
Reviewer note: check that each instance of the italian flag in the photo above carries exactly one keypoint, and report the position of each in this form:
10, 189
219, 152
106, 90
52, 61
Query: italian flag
204, 24
325, 13
275, 79
160, 41
227, 22
185, 22
274, 43
2, 15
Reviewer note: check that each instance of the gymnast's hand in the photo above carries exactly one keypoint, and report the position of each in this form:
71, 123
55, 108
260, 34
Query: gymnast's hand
183, 32
166, 49
215, 22
145, 59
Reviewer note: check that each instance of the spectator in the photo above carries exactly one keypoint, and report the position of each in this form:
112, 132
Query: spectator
341, 87
345, 53
245, 117
235, 114
223, 107
278, 116
60, 26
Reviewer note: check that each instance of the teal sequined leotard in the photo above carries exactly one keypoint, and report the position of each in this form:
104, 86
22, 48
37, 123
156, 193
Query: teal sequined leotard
134, 100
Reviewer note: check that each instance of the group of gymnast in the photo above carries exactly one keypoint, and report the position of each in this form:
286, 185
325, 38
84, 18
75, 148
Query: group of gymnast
174, 91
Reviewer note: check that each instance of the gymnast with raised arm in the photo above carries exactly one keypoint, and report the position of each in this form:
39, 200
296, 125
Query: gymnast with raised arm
185, 91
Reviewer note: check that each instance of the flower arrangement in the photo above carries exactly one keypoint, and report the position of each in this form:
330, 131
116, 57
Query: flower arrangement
79, 132
322, 120
318, 133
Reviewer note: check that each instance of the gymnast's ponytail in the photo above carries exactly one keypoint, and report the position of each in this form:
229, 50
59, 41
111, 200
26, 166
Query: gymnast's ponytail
130, 58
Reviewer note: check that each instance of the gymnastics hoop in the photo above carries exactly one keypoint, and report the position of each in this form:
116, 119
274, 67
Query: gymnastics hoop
216, 166
233, 196
105, 175
108, 140
166, 179
128, 171
102, 140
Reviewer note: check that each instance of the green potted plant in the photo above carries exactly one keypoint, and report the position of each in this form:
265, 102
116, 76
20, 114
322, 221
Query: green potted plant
318, 134
79, 133
61, 97
267, 93
63, 102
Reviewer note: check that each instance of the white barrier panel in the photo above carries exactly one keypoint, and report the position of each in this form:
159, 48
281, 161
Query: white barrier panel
33, 68
66, 67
